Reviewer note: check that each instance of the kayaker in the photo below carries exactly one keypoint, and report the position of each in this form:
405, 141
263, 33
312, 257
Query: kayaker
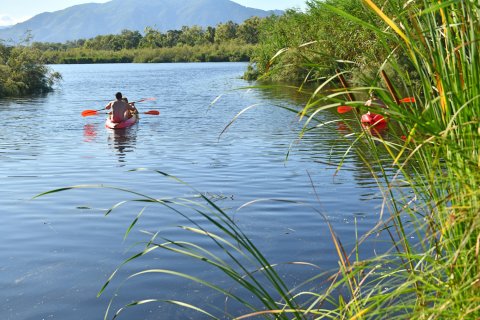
121, 110
373, 117
131, 104
376, 102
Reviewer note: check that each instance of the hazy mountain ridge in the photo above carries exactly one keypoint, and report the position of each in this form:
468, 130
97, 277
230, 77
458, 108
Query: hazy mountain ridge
91, 19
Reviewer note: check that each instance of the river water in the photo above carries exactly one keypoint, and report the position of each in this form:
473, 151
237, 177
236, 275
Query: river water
57, 251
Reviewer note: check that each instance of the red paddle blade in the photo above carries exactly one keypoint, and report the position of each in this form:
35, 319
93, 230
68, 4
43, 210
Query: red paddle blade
407, 100
153, 112
344, 109
87, 113
146, 99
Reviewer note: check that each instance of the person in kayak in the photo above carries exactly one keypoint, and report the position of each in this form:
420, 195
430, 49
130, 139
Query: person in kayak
373, 118
376, 102
121, 110
131, 104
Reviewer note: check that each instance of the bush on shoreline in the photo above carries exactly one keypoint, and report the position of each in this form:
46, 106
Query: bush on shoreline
309, 46
23, 73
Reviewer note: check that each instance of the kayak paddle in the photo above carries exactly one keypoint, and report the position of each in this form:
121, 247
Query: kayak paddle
152, 112
343, 109
145, 99
408, 99
86, 113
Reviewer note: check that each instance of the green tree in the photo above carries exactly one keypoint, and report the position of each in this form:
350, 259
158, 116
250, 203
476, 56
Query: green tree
248, 31
210, 34
4, 52
172, 37
94, 43
194, 35
152, 38
113, 42
226, 31
277, 33
130, 39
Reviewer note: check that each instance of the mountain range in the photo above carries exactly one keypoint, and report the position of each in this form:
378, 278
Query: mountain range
91, 19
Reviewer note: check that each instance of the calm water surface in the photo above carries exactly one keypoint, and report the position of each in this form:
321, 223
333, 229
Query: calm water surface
57, 251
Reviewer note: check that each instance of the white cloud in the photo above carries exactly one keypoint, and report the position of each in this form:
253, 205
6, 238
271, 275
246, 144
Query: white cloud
6, 20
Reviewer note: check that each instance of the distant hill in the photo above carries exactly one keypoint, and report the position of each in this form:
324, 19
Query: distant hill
92, 19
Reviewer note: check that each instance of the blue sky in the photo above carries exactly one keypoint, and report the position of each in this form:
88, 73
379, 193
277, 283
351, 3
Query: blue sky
13, 11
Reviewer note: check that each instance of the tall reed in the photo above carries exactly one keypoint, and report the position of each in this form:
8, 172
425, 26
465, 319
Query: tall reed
433, 270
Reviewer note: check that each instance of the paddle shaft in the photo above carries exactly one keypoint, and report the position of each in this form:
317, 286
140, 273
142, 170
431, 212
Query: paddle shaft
345, 85
87, 113
390, 87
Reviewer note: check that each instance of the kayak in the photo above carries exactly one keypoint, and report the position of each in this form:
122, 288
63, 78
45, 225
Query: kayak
373, 119
120, 125
374, 123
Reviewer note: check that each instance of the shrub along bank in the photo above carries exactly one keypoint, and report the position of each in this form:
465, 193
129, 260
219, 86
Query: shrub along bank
225, 52
22, 72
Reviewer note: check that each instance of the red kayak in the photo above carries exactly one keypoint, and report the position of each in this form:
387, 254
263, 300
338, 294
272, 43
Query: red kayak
373, 119
121, 125
374, 123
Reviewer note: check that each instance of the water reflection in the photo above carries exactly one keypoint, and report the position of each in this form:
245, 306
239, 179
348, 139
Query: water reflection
122, 141
89, 132
332, 141
285, 92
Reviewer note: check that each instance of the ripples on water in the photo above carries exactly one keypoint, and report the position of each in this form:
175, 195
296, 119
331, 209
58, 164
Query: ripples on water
56, 252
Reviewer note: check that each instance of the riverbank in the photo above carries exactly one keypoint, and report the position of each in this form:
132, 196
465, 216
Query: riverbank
224, 52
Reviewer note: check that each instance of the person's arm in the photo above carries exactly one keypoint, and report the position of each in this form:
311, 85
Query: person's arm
131, 107
108, 106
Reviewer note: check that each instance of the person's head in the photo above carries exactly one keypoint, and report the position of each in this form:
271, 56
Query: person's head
118, 95
125, 99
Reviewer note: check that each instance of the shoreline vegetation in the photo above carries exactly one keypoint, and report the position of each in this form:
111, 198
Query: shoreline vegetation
224, 52
23, 73
226, 42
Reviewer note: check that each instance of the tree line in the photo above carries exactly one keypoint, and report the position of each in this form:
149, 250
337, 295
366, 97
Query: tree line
227, 41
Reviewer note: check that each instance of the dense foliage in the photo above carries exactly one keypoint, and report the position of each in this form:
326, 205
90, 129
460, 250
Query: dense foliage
227, 41
229, 51
431, 203
311, 45
22, 72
